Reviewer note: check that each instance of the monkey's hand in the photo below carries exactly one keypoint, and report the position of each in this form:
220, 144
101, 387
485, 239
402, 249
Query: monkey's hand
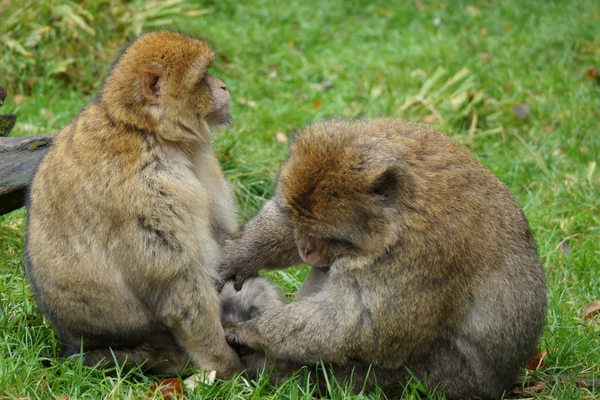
266, 241
243, 335
235, 265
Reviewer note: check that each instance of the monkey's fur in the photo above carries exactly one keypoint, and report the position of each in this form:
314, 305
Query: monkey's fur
421, 259
257, 296
127, 210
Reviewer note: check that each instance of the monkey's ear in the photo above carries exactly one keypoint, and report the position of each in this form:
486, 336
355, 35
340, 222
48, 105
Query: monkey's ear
152, 85
386, 184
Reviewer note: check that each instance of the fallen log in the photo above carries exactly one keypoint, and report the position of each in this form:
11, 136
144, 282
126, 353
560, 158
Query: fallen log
19, 157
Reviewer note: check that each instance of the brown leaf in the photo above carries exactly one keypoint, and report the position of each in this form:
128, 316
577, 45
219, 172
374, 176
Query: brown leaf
281, 137
62, 397
591, 310
486, 56
548, 128
483, 31
536, 360
591, 73
526, 391
537, 388
430, 119
169, 388
316, 104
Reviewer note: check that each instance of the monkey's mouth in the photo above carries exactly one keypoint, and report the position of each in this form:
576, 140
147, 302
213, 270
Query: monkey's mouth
220, 117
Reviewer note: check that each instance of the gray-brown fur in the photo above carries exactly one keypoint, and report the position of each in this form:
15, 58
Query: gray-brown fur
126, 210
257, 296
426, 261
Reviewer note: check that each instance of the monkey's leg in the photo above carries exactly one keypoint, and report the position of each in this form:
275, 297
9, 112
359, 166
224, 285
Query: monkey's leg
157, 352
192, 313
158, 361
448, 369
266, 241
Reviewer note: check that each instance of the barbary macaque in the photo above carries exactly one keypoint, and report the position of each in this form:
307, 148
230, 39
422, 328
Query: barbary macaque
421, 259
127, 213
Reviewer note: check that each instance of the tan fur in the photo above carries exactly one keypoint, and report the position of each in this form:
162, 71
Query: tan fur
421, 260
127, 210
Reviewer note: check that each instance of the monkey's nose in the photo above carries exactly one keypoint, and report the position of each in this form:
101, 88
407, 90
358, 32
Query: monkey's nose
222, 86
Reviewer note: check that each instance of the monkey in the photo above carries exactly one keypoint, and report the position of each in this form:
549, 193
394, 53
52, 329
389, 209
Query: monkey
127, 213
422, 262
257, 296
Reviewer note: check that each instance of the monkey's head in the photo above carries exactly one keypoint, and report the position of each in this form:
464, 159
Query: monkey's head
345, 188
161, 81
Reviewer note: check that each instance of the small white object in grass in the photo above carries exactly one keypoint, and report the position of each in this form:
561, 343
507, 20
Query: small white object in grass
203, 377
437, 21
281, 137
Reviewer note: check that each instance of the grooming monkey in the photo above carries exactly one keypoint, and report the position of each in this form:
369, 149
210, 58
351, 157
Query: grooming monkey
127, 212
421, 260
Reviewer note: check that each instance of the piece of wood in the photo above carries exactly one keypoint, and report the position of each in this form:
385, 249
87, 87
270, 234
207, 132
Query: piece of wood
19, 157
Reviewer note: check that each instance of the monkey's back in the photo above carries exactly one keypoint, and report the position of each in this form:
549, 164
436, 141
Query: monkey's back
94, 211
471, 237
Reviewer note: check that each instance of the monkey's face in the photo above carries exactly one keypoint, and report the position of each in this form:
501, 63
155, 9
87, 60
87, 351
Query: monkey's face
219, 116
341, 188
164, 76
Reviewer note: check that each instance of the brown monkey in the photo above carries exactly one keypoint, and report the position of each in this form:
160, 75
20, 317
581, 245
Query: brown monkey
422, 260
127, 210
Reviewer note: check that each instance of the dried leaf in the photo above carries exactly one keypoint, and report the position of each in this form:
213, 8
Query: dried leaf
430, 119
591, 73
316, 104
325, 85
591, 310
281, 137
486, 56
248, 103
473, 11
522, 111
548, 128
526, 391
202, 377
169, 388
536, 360
62, 397
483, 31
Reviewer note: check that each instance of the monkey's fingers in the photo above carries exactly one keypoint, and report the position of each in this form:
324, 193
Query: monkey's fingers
233, 339
239, 281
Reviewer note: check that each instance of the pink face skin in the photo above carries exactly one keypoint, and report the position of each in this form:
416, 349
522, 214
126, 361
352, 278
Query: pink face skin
312, 250
220, 114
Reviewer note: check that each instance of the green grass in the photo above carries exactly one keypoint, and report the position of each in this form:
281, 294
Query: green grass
290, 63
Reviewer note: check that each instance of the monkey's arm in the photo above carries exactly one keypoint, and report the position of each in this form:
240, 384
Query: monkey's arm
307, 331
266, 241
